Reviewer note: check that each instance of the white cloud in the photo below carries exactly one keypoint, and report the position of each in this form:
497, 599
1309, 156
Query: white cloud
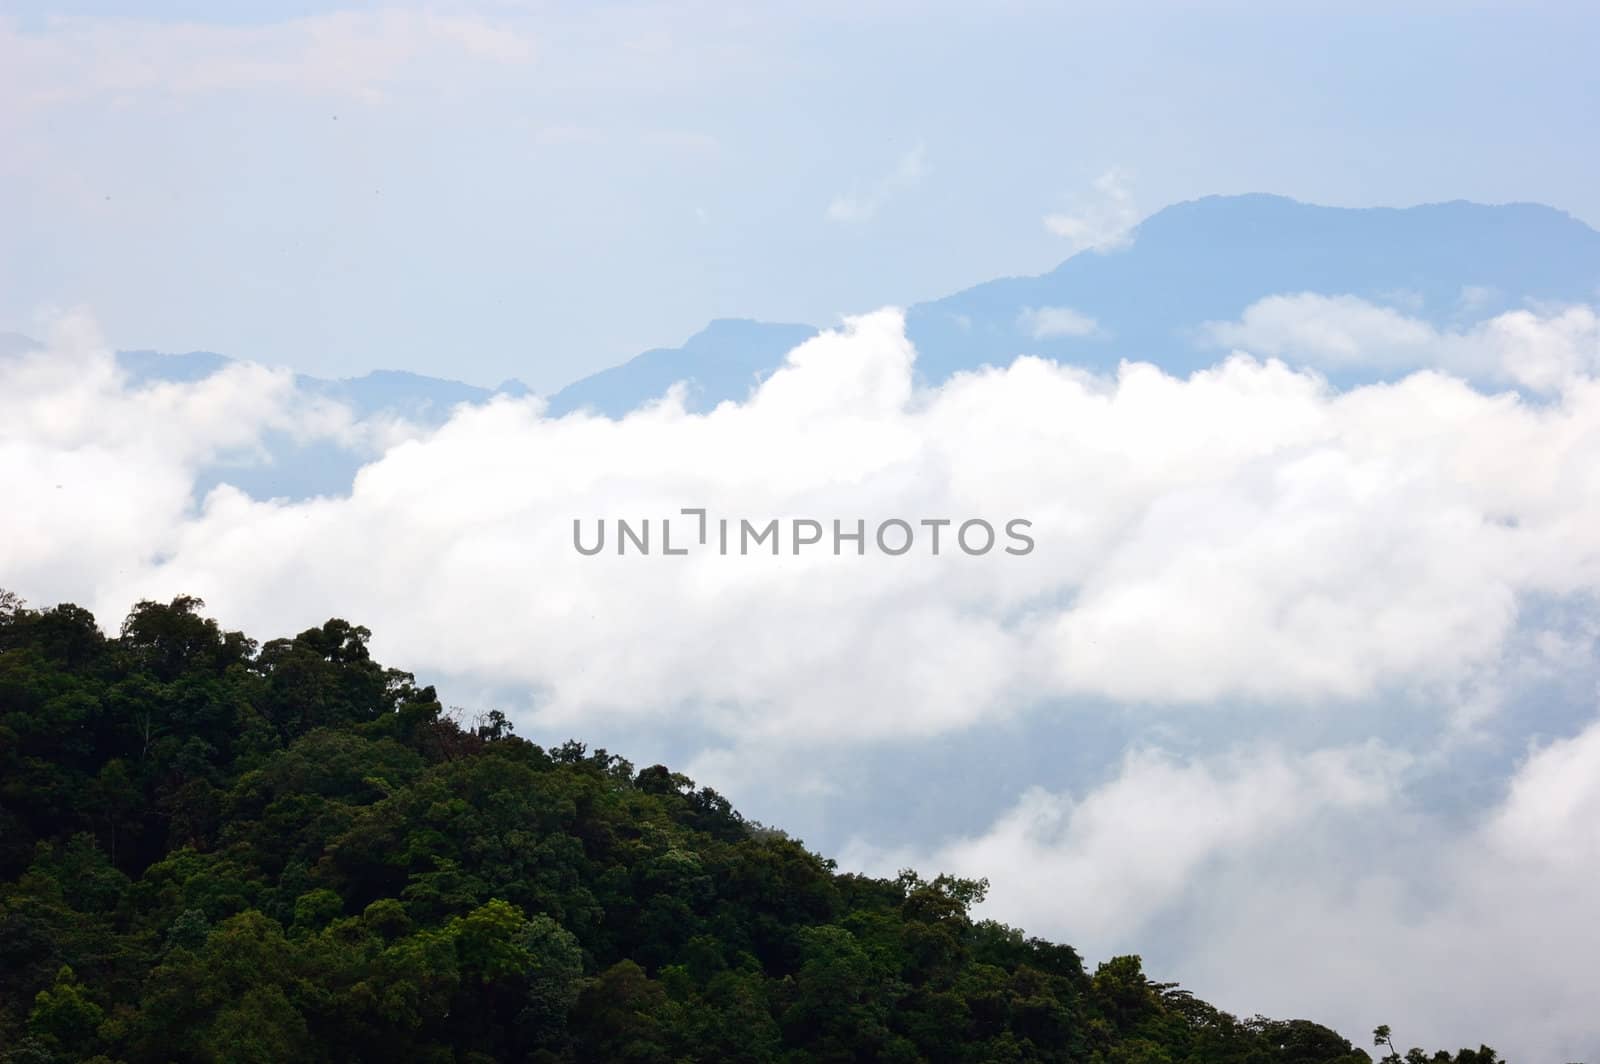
1097, 868
860, 205
106, 470
1102, 221
1330, 330
1045, 323
1245, 533
1479, 932
1337, 332
1550, 822
1312, 884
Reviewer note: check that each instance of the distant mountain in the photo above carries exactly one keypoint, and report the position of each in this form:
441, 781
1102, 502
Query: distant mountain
298, 469
725, 360
301, 469
1209, 259
1192, 263
1205, 260
149, 367
412, 395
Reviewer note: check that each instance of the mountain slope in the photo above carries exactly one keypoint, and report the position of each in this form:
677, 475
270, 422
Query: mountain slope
1209, 259
725, 360
214, 849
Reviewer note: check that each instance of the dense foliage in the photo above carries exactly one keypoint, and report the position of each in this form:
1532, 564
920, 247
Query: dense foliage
212, 850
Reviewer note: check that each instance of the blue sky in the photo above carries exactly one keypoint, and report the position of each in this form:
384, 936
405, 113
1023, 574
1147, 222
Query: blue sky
541, 190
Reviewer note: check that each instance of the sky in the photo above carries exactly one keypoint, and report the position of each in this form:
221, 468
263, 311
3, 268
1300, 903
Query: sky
541, 190
1298, 694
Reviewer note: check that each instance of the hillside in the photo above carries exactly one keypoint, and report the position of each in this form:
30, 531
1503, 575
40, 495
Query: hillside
218, 850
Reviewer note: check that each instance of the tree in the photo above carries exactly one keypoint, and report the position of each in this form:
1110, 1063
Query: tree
214, 850
64, 1016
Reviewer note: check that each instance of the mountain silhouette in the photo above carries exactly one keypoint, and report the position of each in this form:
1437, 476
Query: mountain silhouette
1202, 261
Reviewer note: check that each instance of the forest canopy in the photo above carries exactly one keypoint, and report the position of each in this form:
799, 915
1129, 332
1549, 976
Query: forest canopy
214, 849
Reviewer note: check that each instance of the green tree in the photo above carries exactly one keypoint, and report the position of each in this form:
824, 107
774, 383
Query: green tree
64, 1016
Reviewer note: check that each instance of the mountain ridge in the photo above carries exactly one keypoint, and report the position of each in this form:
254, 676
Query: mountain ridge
1182, 267
219, 848
659, 367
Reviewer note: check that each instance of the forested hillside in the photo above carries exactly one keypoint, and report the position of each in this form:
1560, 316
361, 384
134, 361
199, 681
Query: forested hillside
214, 850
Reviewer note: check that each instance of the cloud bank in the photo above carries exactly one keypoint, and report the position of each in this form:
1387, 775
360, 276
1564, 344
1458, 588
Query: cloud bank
1301, 883
1524, 348
1243, 533
1245, 539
